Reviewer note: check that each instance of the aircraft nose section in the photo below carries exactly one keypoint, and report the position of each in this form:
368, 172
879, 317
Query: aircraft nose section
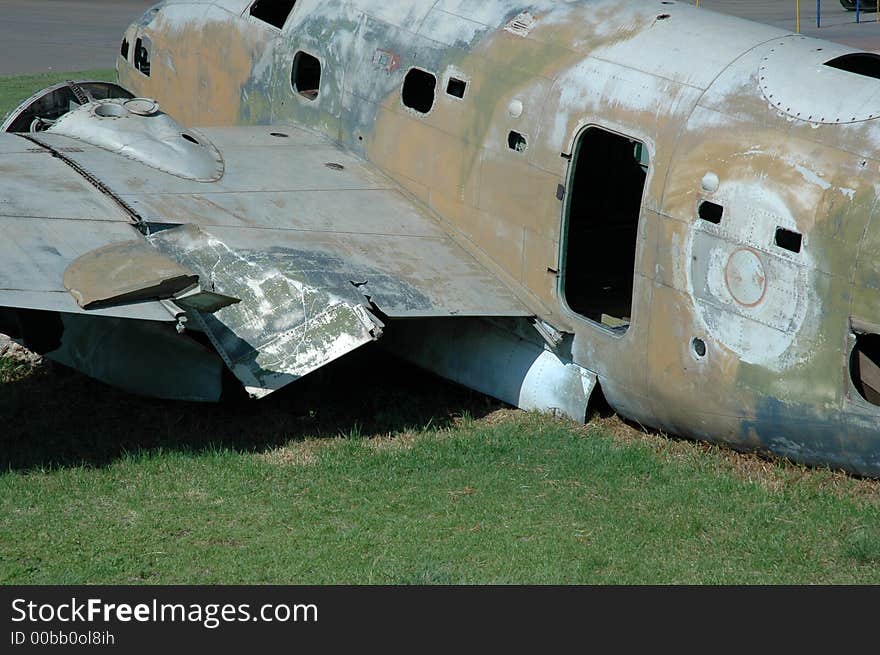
135, 46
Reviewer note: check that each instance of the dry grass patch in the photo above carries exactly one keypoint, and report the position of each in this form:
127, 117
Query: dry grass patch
772, 473
401, 441
295, 453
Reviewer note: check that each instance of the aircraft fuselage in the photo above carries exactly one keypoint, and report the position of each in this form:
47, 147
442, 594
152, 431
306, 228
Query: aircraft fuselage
691, 195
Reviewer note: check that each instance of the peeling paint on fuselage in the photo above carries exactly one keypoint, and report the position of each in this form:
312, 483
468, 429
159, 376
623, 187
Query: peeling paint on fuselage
775, 324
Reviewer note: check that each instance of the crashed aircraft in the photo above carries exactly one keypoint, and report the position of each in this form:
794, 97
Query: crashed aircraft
543, 201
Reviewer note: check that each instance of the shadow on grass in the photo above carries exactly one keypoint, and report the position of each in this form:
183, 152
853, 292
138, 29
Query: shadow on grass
55, 417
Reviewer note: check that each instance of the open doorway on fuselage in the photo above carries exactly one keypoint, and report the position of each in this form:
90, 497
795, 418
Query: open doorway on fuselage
601, 226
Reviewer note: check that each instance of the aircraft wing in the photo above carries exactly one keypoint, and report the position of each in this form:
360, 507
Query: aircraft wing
49, 215
296, 248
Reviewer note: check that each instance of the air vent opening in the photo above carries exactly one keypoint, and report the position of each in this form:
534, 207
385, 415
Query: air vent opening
710, 212
866, 64
788, 240
456, 87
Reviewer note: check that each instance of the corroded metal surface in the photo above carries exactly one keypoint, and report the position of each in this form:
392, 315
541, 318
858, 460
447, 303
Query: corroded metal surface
504, 358
344, 225
145, 135
49, 216
284, 327
368, 197
125, 272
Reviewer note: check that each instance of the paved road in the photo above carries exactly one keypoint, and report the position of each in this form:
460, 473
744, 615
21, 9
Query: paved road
837, 23
63, 35
44, 35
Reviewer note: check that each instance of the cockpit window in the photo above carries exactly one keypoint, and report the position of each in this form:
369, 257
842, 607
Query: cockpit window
274, 12
860, 63
142, 48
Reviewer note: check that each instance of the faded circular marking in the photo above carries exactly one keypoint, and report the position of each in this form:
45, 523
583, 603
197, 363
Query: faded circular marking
777, 326
745, 277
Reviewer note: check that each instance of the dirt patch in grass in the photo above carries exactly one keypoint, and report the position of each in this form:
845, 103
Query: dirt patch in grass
393, 442
295, 453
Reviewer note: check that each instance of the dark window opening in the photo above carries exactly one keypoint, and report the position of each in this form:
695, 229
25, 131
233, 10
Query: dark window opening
516, 141
123, 49
274, 12
788, 239
860, 63
306, 75
142, 49
711, 212
864, 367
456, 87
418, 90
605, 198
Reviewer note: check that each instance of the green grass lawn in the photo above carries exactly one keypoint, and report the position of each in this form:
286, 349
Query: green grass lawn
369, 471
372, 472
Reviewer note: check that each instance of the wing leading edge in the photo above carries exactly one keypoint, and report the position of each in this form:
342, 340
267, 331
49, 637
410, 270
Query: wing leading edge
308, 247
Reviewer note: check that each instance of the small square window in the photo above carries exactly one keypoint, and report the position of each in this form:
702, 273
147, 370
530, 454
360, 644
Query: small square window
788, 240
711, 212
456, 87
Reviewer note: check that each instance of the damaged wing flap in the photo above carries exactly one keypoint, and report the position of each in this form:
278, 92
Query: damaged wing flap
269, 326
134, 271
289, 356
126, 272
286, 323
